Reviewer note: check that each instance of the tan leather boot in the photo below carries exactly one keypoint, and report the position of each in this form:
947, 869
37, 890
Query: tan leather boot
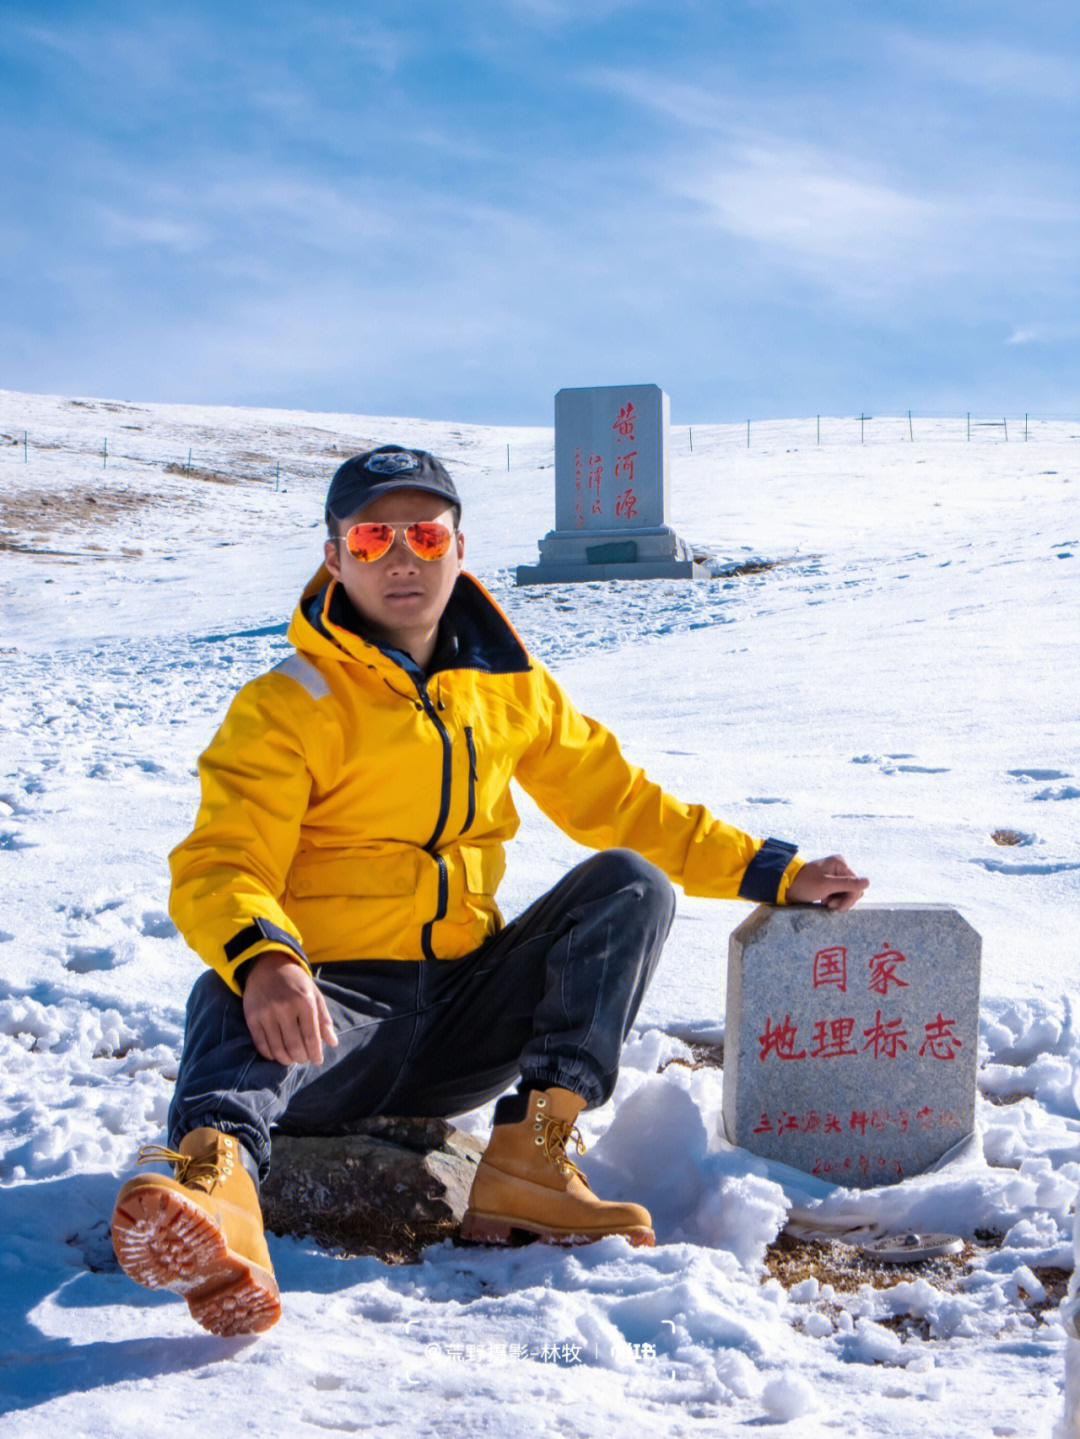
200, 1234
525, 1181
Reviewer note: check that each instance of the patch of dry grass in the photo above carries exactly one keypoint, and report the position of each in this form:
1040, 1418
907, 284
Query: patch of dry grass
706, 1056
842, 1266
44, 522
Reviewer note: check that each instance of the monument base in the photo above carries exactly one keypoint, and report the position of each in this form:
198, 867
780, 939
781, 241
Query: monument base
571, 556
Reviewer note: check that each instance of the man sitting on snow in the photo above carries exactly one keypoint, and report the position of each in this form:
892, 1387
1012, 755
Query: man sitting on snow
340, 883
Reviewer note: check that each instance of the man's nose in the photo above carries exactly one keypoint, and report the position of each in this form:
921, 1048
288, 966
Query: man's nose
400, 554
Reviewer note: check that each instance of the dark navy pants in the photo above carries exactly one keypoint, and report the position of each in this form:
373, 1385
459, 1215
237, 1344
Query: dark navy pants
550, 998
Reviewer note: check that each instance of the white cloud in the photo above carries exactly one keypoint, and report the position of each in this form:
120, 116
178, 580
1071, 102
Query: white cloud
1000, 69
383, 47
817, 214
118, 228
1043, 334
698, 107
559, 12
811, 202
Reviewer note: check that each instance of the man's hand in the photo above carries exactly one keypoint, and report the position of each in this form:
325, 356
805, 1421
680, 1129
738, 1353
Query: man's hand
826, 881
285, 1012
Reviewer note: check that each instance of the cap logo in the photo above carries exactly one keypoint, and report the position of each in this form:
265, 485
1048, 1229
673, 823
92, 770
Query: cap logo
392, 463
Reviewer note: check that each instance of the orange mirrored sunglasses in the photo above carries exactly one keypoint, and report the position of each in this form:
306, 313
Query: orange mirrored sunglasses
428, 540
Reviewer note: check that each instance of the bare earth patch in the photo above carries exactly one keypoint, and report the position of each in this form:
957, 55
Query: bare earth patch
842, 1266
193, 472
56, 521
706, 1056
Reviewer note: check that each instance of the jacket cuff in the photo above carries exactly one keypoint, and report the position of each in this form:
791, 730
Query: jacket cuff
249, 943
764, 873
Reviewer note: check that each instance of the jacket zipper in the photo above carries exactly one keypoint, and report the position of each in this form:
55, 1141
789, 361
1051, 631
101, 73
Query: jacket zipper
470, 813
440, 823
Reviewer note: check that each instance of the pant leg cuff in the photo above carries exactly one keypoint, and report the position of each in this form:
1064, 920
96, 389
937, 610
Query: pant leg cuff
573, 1077
256, 1149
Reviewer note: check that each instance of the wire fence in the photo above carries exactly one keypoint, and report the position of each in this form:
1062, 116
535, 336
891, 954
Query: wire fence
907, 428
227, 460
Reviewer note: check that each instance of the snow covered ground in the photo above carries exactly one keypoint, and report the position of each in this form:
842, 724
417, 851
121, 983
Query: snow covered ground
901, 687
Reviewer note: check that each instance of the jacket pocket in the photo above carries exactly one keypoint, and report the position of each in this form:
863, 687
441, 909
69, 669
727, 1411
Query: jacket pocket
358, 874
484, 866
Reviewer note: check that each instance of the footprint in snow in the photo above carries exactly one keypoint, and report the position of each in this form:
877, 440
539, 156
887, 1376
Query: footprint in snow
889, 764
156, 924
1004, 866
81, 911
87, 959
95, 1245
1039, 774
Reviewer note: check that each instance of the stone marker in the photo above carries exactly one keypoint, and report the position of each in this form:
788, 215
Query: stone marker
851, 1039
389, 1188
611, 491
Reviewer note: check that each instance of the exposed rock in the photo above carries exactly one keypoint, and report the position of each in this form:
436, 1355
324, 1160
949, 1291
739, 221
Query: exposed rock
389, 1188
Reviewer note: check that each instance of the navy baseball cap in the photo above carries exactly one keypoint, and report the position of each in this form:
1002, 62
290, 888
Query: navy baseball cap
379, 472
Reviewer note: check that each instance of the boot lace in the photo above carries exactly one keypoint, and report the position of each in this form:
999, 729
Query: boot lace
556, 1135
194, 1171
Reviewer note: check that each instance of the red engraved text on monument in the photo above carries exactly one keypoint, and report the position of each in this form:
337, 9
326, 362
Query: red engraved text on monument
883, 970
830, 967
779, 1040
940, 1042
885, 1037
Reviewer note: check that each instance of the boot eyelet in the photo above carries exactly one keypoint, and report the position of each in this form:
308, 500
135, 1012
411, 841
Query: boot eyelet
541, 1102
539, 1139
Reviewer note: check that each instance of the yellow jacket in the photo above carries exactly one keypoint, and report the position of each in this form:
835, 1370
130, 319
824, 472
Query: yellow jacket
354, 808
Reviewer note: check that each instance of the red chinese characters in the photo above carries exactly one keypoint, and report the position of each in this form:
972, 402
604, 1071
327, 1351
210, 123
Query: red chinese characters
885, 1037
779, 1040
830, 967
940, 1041
832, 1038
840, 1169
624, 423
626, 503
624, 467
883, 971
855, 1121
596, 477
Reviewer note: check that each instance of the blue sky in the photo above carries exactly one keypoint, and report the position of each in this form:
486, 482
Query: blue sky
453, 210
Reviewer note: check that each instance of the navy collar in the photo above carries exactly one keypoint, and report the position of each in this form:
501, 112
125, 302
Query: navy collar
473, 632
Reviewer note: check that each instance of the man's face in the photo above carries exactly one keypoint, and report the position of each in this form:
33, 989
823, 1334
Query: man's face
401, 596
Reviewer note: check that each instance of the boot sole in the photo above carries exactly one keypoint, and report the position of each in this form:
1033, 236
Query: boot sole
477, 1228
163, 1241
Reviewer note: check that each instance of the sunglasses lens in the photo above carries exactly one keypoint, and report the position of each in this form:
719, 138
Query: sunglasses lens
369, 542
428, 539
